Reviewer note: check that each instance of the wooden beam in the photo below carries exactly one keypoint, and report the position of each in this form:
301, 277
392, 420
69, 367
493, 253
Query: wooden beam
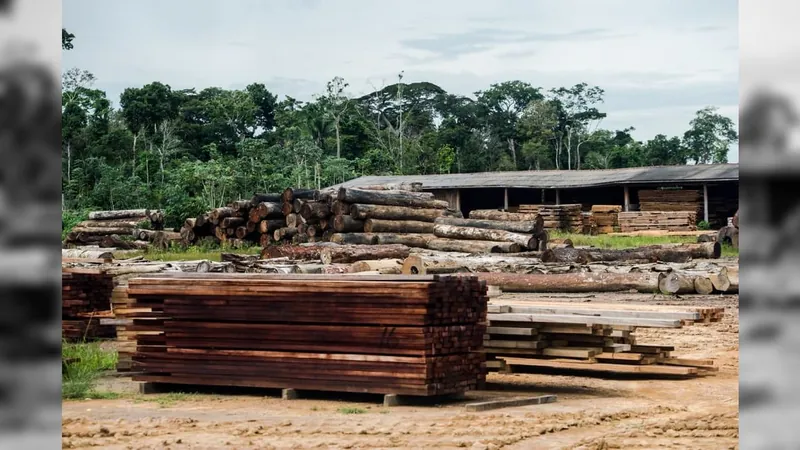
627, 196
597, 312
495, 319
510, 403
705, 203
505, 199
558, 196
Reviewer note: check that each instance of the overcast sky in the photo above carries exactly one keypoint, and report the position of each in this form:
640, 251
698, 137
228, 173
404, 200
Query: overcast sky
659, 61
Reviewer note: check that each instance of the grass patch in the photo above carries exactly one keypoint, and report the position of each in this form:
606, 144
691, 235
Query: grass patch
621, 242
168, 399
352, 410
193, 253
87, 363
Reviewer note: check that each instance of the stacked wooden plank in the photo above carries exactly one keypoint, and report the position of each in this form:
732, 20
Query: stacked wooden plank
123, 229
593, 338
85, 298
566, 218
671, 200
657, 220
605, 218
386, 334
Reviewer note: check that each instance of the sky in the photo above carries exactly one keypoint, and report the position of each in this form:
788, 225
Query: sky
658, 61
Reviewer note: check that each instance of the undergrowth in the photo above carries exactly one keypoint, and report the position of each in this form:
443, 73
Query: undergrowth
87, 361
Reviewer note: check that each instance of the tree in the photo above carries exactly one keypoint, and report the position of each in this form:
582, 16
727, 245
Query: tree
66, 40
664, 151
710, 136
77, 102
579, 118
501, 106
336, 104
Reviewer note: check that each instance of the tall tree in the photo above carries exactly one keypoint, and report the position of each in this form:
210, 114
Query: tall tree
709, 137
336, 104
579, 118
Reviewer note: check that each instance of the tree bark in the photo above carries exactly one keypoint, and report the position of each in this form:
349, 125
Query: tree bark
232, 222
409, 240
347, 224
162, 239
284, 233
674, 283
109, 224
268, 226
454, 245
295, 252
480, 234
201, 220
114, 241
365, 211
391, 198
397, 226
268, 210
350, 254
705, 250
104, 231
418, 265
258, 198
636, 255
315, 210
354, 238
218, 214
120, 214
526, 226
340, 208
493, 214
287, 208
86, 254
578, 282
402, 186
290, 194
384, 266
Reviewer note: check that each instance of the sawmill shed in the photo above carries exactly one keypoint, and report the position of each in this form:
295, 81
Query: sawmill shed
504, 190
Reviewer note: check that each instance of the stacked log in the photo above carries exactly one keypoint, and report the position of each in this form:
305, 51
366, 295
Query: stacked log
85, 299
119, 229
341, 333
605, 218
657, 220
489, 231
567, 218
592, 337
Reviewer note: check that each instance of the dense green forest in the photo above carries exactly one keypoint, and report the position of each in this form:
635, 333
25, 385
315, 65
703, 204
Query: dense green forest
189, 150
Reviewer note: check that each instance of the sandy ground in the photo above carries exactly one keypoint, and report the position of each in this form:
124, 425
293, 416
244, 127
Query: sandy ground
592, 412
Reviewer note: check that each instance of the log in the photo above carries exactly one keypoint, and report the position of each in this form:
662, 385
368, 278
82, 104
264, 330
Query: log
297, 205
391, 198
493, 214
241, 232
111, 223
104, 231
314, 210
259, 198
326, 235
163, 239
290, 194
705, 250
364, 211
454, 245
189, 222
313, 231
232, 222
292, 220
728, 235
144, 235
265, 239
480, 234
269, 210
114, 241
284, 233
347, 224
287, 208
268, 226
294, 252
703, 285
397, 226
720, 280
402, 186
635, 255
201, 220
674, 283
418, 265
333, 269
354, 238
340, 208
409, 240
577, 282
733, 278
350, 254
252, 226
383, 266
735, 220
86, 254
560, 243
241, 205
217, 214
120, 214
523, 226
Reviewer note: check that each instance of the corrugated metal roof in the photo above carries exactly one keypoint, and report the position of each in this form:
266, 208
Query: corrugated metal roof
562, 179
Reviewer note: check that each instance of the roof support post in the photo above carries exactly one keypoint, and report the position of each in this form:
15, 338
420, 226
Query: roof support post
458, 199
558, 196
505, 199
705, 202
627, 195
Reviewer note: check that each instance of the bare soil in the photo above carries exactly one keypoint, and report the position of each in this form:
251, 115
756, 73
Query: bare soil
592, 411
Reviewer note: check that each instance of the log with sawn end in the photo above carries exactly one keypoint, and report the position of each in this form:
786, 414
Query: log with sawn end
258, 198
218, 214
577, 282
354, 238
704, 250
384, 266
347, 224
350, 254
525, 226
391, 198
456, 245
397, 226
269, 226
314, 210
120, 214
480, 234
295, 252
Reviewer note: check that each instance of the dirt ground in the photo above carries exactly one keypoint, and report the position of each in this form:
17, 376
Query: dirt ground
592, 412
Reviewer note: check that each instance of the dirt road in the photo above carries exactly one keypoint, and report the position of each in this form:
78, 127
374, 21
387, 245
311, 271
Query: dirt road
591, 412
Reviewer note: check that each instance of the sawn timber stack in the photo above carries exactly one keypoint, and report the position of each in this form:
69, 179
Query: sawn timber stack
410, 335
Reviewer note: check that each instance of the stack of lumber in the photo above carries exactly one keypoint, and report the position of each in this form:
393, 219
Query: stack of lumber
566, 218
658, 220
605, 218
85, 298
391, 335
671, 200
124, 229
589, 226
592, 337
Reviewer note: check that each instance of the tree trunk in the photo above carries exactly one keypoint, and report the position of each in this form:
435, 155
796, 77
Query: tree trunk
397, 226
384, 266
512, 148
294, 252
136, 214
109, 224
455, 232
354, 238
284, 233
347, 224
241, 232
391, 198
705, 250
69, 161
338, 139
340, 208
267, 210
314, 210
269, 198
578, 282
674, 283
114, 241
86, 254
720, 280
365, 211
232, 222
163, 239
287, 208
453, 245
402, 186
217, 214
291, 220
493, 214
143, 235
102, 231
636, 255
733, 278
350, 254
268, 226
409, 240
527, 226
290, 194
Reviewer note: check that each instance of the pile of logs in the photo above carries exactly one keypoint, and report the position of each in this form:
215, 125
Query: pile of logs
123, 229
85, 298
239, 223
605, 218
490, 231
657, 220
388, 335
567, 218
592, 337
